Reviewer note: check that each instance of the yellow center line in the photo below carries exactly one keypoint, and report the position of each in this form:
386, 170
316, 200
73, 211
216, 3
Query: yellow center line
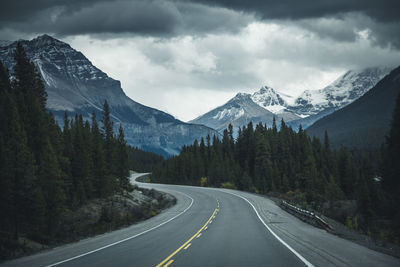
198, 234
188, 245
169, 263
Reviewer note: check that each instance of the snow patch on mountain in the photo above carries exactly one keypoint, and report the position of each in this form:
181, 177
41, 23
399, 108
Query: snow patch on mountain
269, 99
343, 91
303, 110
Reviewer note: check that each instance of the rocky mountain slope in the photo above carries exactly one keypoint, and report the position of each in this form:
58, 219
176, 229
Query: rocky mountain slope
74, 85
238, 111
306, 109
366, 121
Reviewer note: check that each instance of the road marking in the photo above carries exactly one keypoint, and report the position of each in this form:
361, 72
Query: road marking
169, 263
306, 262
128, 238
197, 235
188, 245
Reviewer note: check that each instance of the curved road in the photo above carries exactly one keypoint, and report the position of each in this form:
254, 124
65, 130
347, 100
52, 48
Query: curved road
213, 227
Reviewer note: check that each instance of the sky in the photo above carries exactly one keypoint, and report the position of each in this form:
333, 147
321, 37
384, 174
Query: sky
187, 57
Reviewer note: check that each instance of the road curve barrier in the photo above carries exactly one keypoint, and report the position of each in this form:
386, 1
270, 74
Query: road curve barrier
305, 215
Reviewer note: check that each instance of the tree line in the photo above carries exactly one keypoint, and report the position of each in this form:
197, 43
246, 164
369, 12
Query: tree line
44, 169
292, 164
263, 159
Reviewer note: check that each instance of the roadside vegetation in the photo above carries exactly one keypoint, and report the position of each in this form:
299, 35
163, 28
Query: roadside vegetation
359, 188
49, 174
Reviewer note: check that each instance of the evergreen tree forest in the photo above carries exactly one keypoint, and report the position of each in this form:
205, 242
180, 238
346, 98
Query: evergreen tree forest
287, 164
46, 170
391, 173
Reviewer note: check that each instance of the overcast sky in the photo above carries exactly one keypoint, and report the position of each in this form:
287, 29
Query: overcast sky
187, 57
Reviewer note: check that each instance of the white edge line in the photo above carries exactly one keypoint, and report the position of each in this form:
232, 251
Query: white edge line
306, 262
128, 238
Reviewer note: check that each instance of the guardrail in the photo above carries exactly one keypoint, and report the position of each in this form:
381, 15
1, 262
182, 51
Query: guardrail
305, 215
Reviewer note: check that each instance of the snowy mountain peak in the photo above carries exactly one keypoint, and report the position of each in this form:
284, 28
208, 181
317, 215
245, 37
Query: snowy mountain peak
240, 96
343, 91
269, 99
310, 106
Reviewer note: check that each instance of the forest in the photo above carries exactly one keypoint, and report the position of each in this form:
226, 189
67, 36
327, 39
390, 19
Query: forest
301, 169
45, 170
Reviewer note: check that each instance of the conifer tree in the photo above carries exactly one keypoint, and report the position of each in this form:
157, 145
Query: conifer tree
122, 165
391, 169
107, 131
51, 184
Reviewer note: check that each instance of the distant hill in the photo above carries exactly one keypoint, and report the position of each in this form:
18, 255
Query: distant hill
365, 122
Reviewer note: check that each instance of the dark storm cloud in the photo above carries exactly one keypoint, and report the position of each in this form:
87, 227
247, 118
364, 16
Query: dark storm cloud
179, 17
380, 17
146, 17
121, 17
383, 10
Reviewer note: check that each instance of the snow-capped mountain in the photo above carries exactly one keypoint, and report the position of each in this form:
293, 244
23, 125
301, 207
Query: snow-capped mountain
269, 99
73, 84
307, 108
343, 91
366, 121
238, 111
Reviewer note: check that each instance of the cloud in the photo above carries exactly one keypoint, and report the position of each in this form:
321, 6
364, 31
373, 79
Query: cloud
384, 10
187, 57
347, 28
113, 18
340, 20
188, 75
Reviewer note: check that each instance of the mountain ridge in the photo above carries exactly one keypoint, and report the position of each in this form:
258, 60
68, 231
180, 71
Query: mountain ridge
365, 122
75, 85
308, 107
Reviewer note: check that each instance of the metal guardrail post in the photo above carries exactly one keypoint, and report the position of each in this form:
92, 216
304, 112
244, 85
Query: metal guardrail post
306, 214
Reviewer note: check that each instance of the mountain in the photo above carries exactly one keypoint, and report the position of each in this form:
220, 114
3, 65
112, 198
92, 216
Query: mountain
275, 102
238, 111
312, 105
344, 90
364, 122
304, 110
74, 85
269, 99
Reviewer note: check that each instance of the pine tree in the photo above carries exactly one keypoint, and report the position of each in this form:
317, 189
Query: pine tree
102, 187
391, 180
52, 185
326, 140
19, 174
122, 164
31, 99
107, 131
391, 169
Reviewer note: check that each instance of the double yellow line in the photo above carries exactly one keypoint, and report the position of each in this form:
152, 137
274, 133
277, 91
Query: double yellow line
167, 261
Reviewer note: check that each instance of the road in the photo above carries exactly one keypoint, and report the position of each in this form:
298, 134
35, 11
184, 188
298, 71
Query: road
213, 227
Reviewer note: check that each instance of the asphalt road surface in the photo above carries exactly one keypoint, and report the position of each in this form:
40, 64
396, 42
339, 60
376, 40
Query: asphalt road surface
213, 227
